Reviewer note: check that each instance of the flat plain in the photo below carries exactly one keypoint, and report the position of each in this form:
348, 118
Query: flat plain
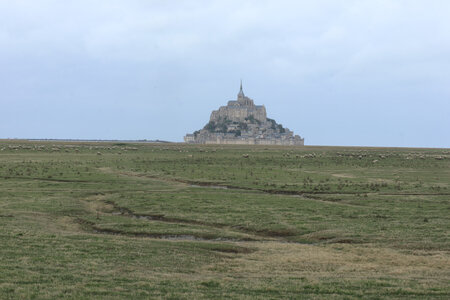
175, 221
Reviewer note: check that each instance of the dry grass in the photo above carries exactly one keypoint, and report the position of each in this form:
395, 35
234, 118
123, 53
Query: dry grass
305, 222
313, 261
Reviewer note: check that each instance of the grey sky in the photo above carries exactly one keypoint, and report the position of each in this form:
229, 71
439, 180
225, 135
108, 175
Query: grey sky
373, 73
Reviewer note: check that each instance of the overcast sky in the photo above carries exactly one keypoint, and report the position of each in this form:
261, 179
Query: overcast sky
370, 73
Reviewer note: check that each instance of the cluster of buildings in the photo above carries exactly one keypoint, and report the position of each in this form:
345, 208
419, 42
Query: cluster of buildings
243, 122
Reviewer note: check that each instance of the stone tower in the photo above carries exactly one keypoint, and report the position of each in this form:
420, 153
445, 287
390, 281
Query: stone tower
243, 122
242, 99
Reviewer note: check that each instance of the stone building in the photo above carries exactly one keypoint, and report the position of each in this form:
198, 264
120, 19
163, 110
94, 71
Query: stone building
243, 122
240, 109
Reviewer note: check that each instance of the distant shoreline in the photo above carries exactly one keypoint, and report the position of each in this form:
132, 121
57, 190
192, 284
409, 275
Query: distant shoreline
211, 145
88, 140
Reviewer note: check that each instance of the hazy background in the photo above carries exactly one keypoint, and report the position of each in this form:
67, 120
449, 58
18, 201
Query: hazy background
374, 73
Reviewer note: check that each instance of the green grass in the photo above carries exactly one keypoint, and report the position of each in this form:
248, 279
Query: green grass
173, 221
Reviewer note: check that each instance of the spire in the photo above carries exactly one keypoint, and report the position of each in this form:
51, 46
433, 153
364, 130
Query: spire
241, 92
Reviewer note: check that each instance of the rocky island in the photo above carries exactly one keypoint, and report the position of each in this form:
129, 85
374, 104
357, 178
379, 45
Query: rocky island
243, 122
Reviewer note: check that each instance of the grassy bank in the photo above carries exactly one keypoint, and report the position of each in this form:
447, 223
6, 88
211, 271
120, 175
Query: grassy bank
116, 220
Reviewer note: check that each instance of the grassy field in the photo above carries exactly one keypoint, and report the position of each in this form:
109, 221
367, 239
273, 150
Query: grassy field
174, 221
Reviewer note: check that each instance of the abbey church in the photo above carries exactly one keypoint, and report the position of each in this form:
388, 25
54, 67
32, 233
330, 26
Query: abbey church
243, 122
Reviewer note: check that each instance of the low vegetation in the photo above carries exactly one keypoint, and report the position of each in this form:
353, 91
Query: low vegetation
116, 220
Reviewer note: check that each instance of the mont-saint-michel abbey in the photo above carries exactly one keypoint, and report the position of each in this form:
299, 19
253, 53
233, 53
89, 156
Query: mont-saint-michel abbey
243, 122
